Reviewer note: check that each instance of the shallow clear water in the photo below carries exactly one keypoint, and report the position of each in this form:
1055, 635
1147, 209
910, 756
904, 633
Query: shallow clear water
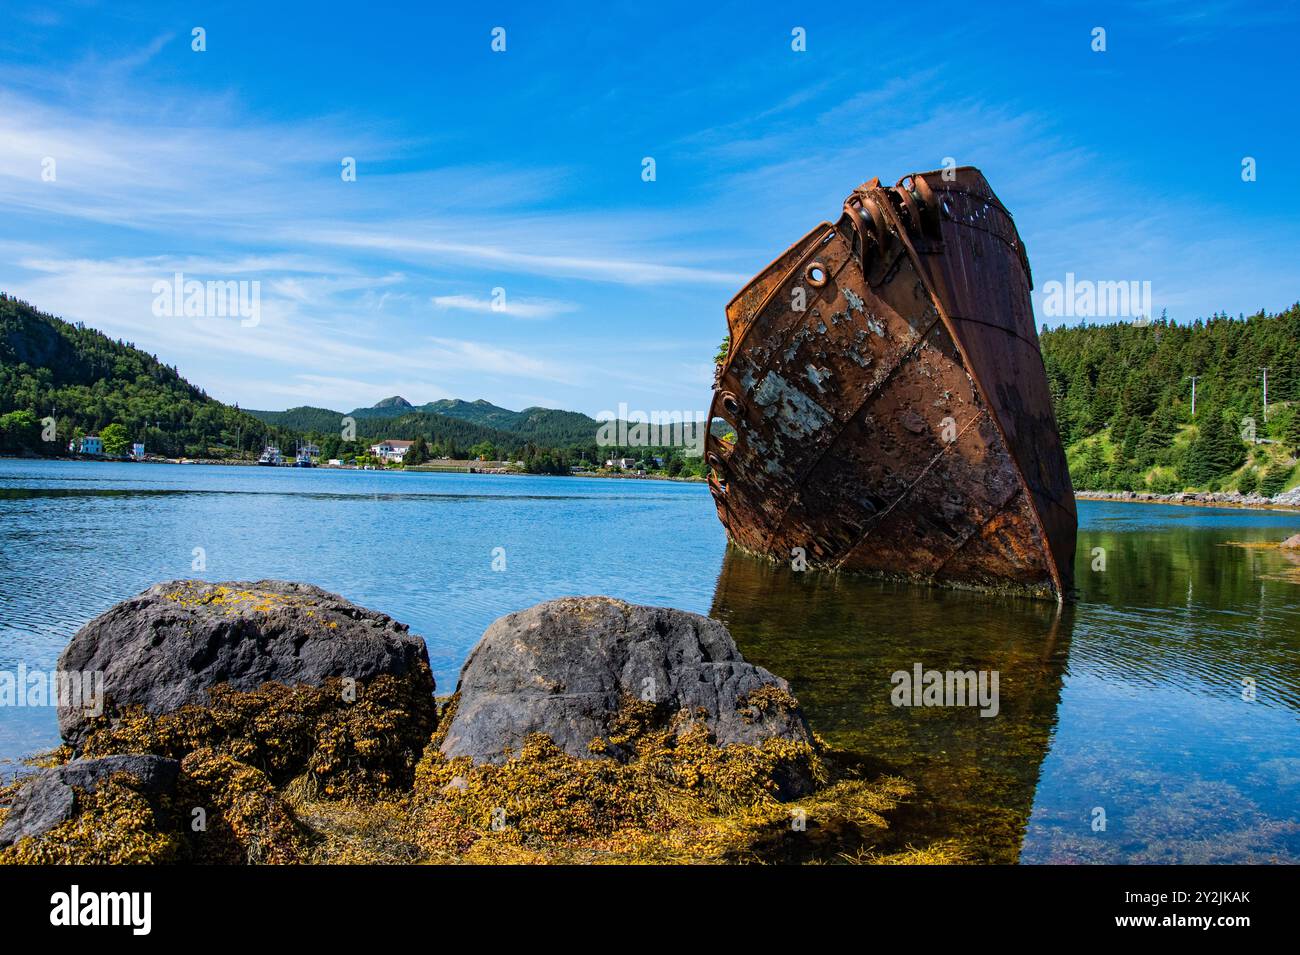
1128, 701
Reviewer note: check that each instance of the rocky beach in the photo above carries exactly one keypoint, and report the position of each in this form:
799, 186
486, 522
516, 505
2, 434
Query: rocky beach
1288, 499
275, 722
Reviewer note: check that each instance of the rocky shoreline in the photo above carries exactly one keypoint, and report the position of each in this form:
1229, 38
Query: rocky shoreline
1289, 500
274, 722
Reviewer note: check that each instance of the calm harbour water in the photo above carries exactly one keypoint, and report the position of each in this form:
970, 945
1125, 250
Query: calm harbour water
1129, 701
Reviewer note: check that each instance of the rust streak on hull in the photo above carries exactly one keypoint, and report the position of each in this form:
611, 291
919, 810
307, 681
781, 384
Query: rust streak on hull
887, 399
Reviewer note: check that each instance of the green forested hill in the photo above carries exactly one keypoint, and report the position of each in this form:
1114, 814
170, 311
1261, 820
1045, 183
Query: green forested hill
304, 418
549, 426
465, 423
441, 430
91, 384
543, 426
479, 411
1122, 396
87, 381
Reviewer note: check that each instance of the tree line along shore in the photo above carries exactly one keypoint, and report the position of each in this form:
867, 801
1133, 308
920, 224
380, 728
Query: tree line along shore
1157, 407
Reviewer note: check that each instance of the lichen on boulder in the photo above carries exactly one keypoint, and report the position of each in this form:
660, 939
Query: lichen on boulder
243, 689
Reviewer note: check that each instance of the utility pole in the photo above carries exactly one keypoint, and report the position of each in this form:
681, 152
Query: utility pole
1193, 377
1264, 369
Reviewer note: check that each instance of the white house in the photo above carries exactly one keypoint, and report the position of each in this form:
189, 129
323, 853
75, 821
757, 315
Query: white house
621, 463
391, 450
92, 444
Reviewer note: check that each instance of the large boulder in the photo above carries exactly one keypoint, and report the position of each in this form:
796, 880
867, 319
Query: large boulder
563, 668
47, 798
168, 646
1292, 542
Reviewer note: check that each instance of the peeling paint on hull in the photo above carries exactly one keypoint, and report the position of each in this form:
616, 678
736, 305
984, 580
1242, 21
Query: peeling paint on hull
899, 423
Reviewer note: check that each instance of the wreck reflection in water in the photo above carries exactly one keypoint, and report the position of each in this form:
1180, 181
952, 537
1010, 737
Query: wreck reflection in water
839, 638
1130, 701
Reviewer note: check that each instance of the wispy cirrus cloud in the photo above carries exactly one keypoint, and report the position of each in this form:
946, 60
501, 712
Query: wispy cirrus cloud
514, 308
626, 271
280, 188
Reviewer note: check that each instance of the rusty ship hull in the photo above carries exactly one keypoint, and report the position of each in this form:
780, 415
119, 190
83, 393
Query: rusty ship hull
887, 410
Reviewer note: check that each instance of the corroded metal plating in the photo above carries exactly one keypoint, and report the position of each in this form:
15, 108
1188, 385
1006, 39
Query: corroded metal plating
886, 402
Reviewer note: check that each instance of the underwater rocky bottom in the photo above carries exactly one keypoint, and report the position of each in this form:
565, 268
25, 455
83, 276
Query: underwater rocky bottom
273, 722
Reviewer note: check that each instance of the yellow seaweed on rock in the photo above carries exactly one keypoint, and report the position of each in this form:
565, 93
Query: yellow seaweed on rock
360, 747
677, 797
245, 818
288, 775
221, 812
114, 825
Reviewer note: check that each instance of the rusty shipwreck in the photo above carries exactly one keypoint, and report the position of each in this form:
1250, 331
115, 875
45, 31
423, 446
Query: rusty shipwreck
885, 403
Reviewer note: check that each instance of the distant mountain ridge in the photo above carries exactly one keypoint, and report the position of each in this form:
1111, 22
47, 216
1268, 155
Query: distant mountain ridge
396, 417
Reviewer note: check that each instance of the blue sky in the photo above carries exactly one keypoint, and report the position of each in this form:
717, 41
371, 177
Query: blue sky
521, 170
